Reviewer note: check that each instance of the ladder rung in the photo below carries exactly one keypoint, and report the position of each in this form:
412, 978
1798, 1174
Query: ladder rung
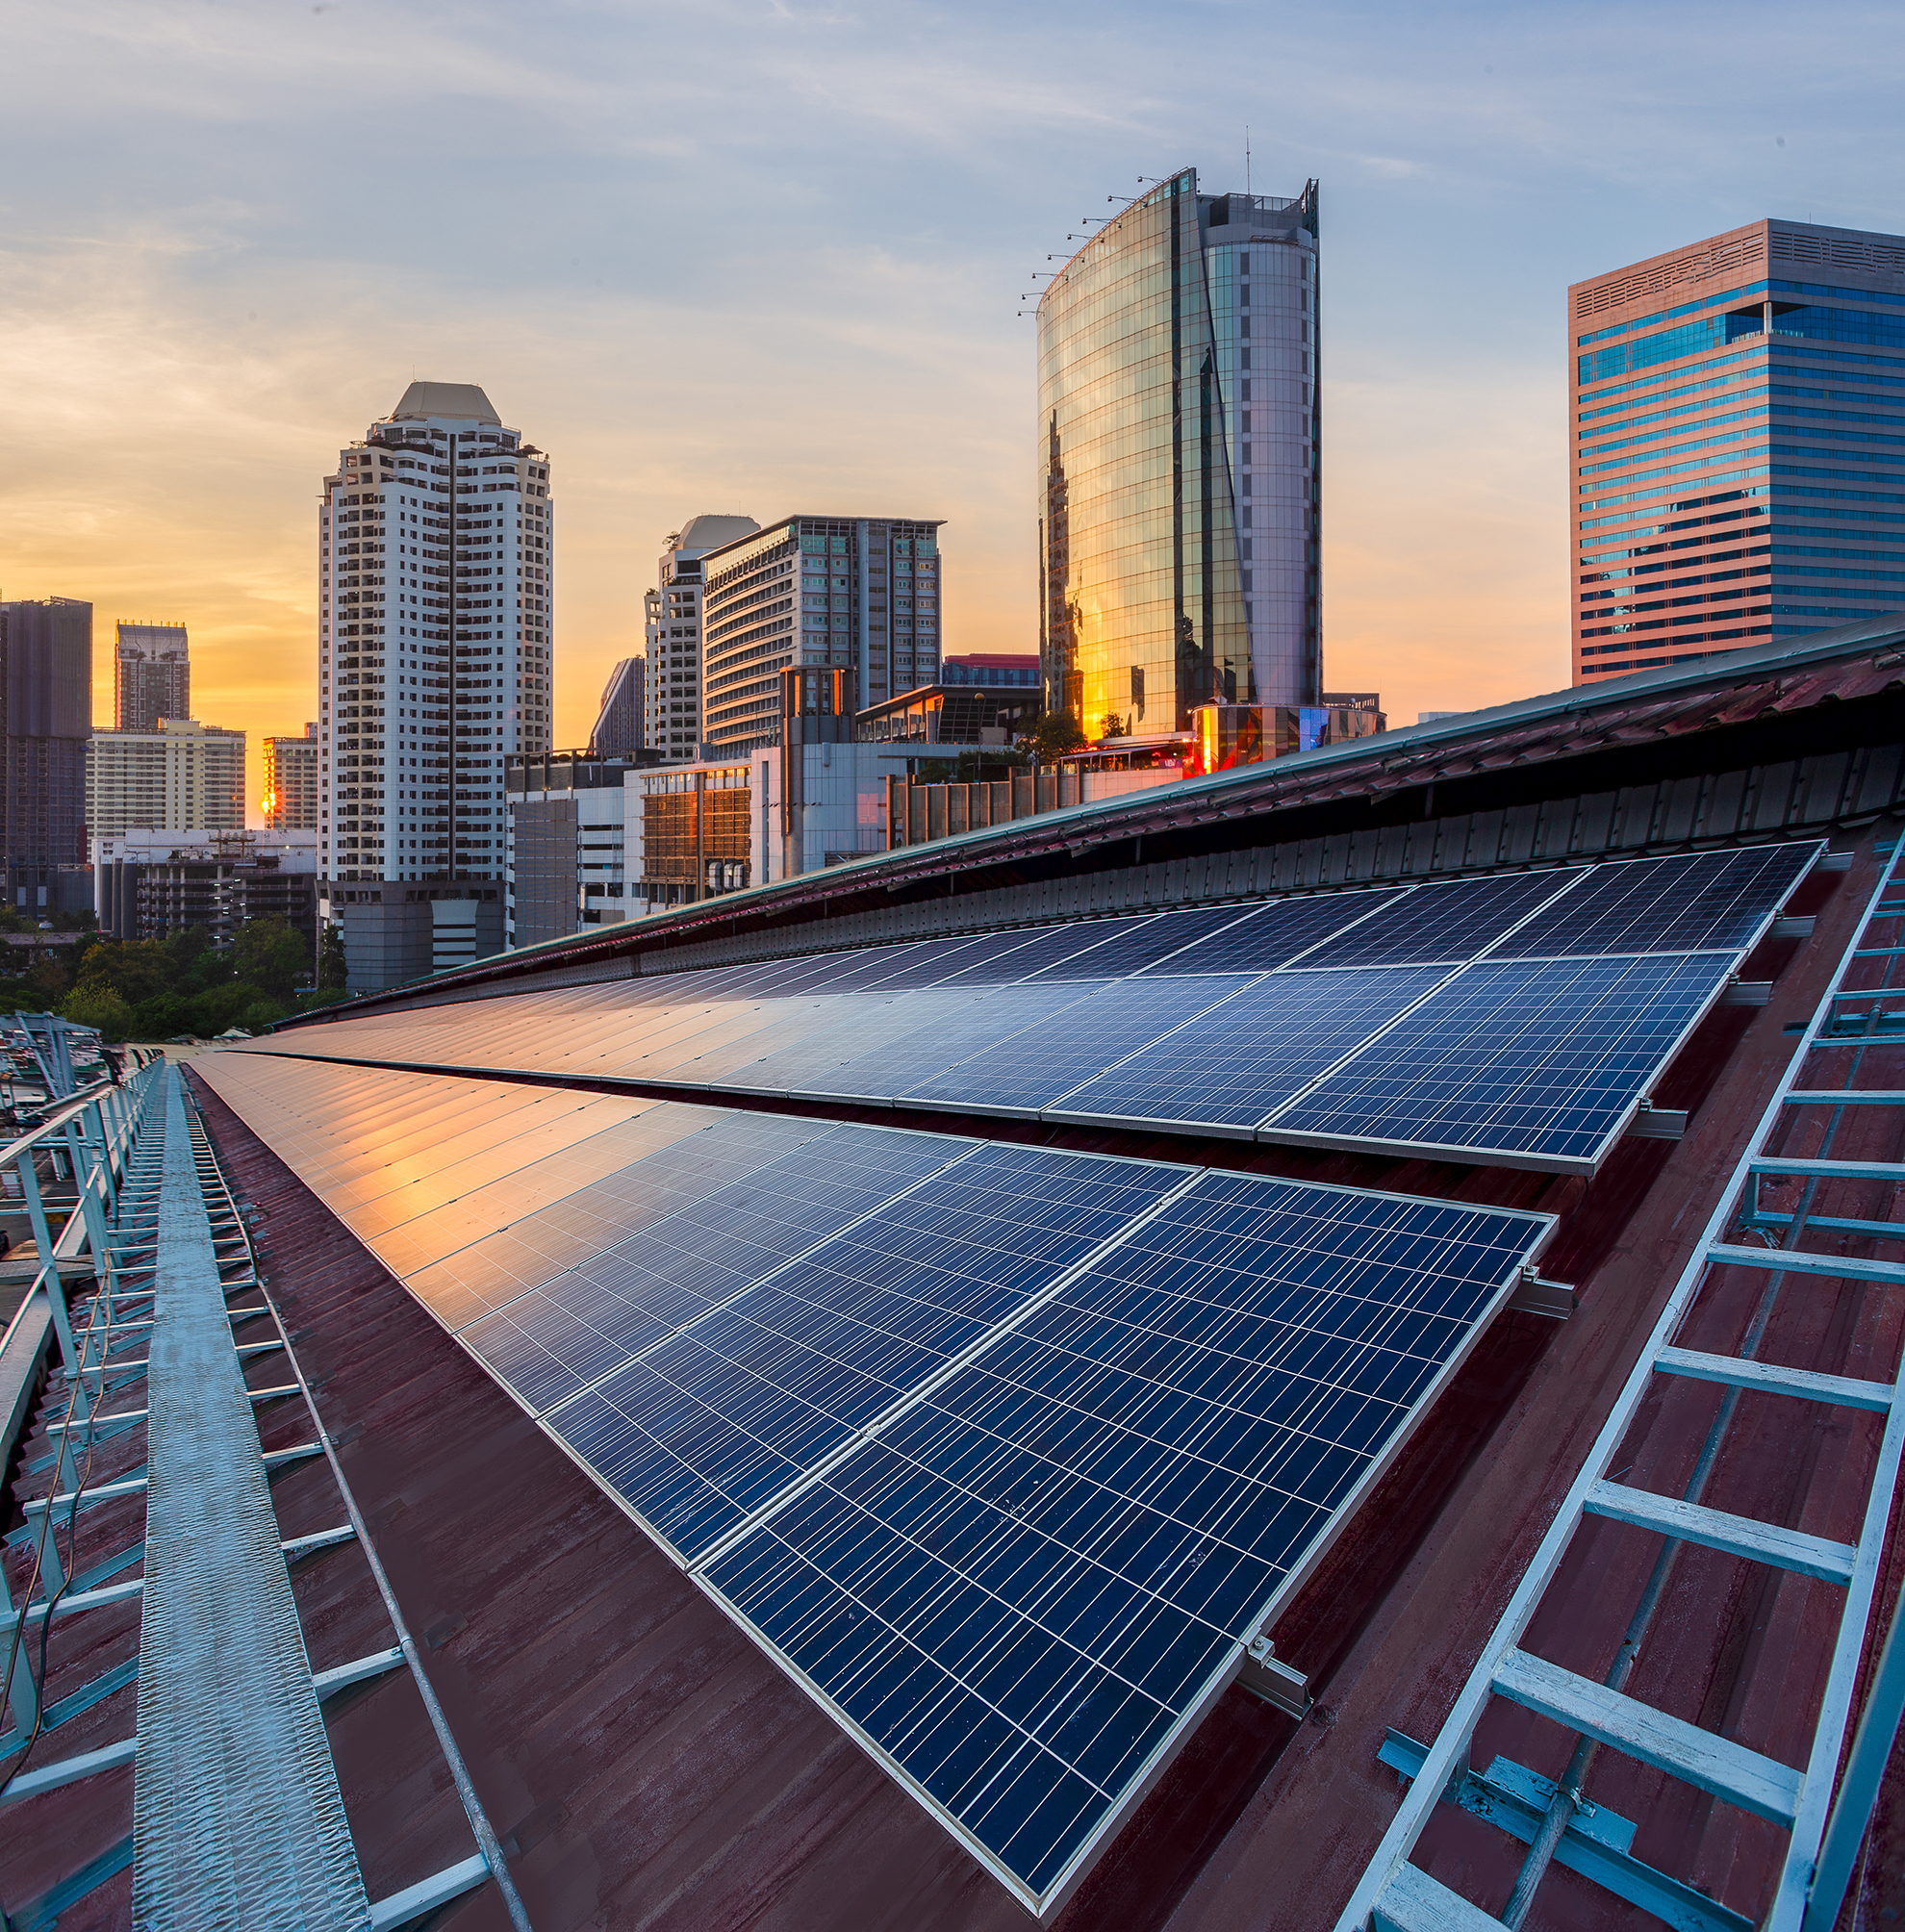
1736, 1372
1756, 1784
1832, 1170
1833, 1224
1716, 1530
1795, 1261
1414, 1902
1843, 1097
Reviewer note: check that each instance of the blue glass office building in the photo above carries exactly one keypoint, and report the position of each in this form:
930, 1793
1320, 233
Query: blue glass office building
1178, 460
1739, 444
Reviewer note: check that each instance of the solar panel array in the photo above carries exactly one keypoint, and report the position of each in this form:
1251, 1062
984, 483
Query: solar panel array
1006, 1454
1516, 1018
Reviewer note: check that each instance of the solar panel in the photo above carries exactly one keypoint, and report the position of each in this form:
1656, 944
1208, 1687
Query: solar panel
554, 1341
1146, 944
1682, 904
1275, 934
1024, 1590
1236, 1062
1441, 924
1048, 946
710, 1424
1030, 1070
1537, 1063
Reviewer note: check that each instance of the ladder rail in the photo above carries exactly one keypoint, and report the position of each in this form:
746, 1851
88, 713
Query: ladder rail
1445, 1761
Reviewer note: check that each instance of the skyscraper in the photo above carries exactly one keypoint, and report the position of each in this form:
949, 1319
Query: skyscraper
860, 594
1738, 467
151, 676
291, 783
1178, 460
48, 720
618, 724
428, 676
672, 683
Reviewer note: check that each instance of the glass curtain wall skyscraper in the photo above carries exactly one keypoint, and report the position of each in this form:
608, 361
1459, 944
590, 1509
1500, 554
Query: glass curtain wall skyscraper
1738, 428
1179, 464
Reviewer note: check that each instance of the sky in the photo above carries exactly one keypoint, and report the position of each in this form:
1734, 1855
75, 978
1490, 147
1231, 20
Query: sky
769, 256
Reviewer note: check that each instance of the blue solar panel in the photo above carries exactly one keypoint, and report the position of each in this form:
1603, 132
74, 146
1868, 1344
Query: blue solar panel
1688, 903
711, 1423
1440, 924
554, 1341
1033, 1580
1538, 1061
1145, 945
1236, 1063
1034, 951
1275, 934
1033, 1068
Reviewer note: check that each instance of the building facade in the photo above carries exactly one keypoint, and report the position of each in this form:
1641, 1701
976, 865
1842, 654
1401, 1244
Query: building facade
622, 721
183, 774
671, 691
291, 783
566, 851
151, 674
1735, 422
983, 697
1179, 462
857, 593
48, 700
436, 575
149, 883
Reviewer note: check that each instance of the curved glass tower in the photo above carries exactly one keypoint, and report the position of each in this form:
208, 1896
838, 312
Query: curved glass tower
1180, 485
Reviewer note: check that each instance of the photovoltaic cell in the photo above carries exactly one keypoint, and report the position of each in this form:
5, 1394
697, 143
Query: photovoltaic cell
554, 1341
1440, 925
1542, 1060
1276, 933
1236, 1062
1146, 944
1033, 1068
1688, 903
710, 1424
1045, 946
1036, 1576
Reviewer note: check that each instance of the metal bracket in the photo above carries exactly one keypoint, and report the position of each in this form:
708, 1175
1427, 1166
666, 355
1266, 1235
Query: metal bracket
1657, 1123
1746, 993
1275, 1683
1536, 1296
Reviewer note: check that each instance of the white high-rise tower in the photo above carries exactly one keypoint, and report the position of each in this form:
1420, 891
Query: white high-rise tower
436, 566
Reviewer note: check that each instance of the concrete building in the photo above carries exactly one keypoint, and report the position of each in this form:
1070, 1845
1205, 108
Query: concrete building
564, 855
855, 593
813, 796
983, 697
1179, 462
183, 774
436, 578
151, 674
48, 719
1739, 475
620, 723
671, 691
291, 783
149, 883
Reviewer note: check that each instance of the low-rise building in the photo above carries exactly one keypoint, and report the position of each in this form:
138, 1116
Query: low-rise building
291, 783
563, 850
151, 883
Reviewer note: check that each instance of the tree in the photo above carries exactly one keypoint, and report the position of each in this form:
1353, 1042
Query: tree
331, 967
1055, 734
102, 1008
269, 953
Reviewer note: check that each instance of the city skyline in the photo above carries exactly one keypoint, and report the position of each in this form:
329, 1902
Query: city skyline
227, 282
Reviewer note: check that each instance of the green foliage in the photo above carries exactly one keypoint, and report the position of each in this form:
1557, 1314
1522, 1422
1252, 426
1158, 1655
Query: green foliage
270, 953
152, 989
1054, 734
331, 973
102, 1008
311, 998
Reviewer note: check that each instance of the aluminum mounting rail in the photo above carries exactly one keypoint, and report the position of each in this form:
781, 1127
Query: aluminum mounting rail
1823, 1805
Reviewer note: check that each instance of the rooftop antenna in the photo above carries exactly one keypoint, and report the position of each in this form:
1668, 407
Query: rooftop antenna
1246, 158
